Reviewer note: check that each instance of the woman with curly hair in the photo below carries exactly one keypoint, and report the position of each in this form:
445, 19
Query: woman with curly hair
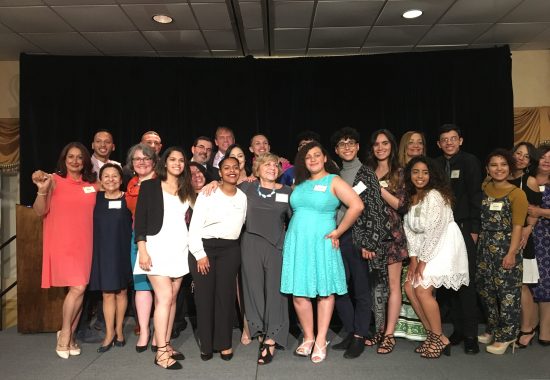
499, 260
435, 239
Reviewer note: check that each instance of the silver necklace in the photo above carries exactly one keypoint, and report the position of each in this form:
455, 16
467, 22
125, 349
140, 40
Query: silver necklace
265, 196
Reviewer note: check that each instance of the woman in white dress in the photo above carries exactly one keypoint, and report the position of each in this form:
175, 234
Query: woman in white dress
435, 239
162, 238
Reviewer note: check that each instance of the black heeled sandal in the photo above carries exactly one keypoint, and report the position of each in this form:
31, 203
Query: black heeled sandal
523, 333
268, 357
423, 347
164, 352
387, 344
436, 348
375, 340
176, 355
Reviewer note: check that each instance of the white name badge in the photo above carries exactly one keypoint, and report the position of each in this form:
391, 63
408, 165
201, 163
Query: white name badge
384, 184
417, 212
115, 204
360, 187
541, 188
281, 197
321, 188
495, 206
88, 189
455, 174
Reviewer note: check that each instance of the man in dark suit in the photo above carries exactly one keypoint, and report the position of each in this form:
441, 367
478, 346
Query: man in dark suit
202, 151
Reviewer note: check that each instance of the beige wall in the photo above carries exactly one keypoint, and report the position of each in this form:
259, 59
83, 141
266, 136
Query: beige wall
9, 89
531, 78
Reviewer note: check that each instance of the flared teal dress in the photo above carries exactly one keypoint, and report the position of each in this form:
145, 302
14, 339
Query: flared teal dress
311, 266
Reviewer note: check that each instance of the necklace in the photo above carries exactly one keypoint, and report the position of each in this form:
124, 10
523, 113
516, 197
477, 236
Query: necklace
265, 196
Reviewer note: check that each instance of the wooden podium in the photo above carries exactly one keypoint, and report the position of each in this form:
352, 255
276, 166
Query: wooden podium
38, 310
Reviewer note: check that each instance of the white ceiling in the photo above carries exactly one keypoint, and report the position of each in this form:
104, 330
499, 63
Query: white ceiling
236, 28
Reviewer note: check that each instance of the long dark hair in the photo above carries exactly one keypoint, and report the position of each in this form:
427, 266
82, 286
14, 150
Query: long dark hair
185, 188
87, 173
301, 172
247, 161
393, 160
437, 181
533, 156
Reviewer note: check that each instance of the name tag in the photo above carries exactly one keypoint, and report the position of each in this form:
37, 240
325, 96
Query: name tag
360, 187
281, 197
88, 189
417, 212
541, 188
321, 188
495, 206
455, 174
115, 204
384, 184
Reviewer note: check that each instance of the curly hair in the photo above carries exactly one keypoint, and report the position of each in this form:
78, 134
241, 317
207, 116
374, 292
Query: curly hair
301, 171
87, 173
186, 192
504, 153
437, 181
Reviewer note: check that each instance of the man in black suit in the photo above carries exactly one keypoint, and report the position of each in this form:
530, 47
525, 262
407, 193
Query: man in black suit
202, 151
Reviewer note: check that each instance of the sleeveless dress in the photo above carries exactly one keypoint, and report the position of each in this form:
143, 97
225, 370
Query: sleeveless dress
112, 233
541, 293
311, 266
67, 233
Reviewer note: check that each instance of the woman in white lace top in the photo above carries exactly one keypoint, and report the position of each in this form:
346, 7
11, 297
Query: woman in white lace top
435, 239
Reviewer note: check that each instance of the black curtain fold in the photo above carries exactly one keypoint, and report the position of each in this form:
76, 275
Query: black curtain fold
65, 99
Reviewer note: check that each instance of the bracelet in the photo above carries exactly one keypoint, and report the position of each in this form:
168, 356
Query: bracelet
42, 194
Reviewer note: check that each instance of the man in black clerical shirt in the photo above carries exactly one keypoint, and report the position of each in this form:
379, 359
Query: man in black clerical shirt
465, 175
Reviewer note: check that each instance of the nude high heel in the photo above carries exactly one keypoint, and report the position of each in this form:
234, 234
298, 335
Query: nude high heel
501, 349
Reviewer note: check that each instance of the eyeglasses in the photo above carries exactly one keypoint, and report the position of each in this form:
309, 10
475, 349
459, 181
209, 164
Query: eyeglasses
449, 139
346, 144
141, 159
202, 147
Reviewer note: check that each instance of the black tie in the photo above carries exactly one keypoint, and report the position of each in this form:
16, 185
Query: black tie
448, 168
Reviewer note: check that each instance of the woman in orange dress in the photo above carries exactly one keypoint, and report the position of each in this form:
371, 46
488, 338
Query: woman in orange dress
66, 201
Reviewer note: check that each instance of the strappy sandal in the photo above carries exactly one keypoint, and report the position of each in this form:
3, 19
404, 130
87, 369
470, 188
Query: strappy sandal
423, 347
305, 348
163, 359
387, 344
268, 357
523, 333
436, 348
174, 354
375, 340
320, 353
62, 351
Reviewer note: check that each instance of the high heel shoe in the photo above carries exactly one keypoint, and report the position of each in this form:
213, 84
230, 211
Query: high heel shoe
106, 348
319, 353
74, 349
544, 343
268, 357
523, 333
501, 348
305, 348
387, 344
176, 355
62, 351
120, 343
226, 357
206, 357
140, 349
485, 338
164, 358
422, 347
376, 339
436, 348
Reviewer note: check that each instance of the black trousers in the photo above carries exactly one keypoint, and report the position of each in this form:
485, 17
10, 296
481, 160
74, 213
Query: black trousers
464, 308
215, 293
354, 308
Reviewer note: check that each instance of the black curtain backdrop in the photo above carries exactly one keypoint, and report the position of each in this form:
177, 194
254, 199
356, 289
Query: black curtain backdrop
66, 99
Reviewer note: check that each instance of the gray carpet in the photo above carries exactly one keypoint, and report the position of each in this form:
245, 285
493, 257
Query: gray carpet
33, 357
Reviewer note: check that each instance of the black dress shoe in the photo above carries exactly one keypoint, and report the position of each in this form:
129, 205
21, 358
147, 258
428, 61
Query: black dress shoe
344, 344
470, 345
154, 348
106, 348
355, 348
227, 357
176, 331
140, 349
544, 343
206, 357
120, 343
456, 338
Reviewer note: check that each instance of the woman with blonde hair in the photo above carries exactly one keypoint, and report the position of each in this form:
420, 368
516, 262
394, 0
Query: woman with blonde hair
412, 144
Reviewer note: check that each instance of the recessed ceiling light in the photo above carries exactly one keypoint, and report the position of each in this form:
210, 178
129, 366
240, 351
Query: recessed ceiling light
162, 19
412, 13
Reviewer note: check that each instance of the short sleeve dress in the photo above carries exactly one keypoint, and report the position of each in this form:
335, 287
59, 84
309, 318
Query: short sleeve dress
112, 233
311, 266
67, 233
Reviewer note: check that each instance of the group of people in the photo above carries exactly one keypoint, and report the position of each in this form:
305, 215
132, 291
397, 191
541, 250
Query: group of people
389, 238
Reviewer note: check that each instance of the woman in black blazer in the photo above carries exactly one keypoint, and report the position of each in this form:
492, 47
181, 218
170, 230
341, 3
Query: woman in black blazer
162, 238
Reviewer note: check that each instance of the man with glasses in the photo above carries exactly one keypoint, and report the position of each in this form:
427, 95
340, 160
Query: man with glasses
202, 151
359, 244
465, 175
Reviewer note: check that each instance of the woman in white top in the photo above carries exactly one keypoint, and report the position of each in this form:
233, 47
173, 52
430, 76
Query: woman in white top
435, 239
215, 259
162, 239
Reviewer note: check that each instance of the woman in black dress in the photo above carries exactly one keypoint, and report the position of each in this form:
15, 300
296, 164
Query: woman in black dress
111, 257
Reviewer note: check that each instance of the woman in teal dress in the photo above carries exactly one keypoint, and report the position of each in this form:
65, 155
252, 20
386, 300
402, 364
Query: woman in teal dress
312, 263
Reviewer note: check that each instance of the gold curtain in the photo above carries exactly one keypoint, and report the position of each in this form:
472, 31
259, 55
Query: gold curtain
9, 145
531, 124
